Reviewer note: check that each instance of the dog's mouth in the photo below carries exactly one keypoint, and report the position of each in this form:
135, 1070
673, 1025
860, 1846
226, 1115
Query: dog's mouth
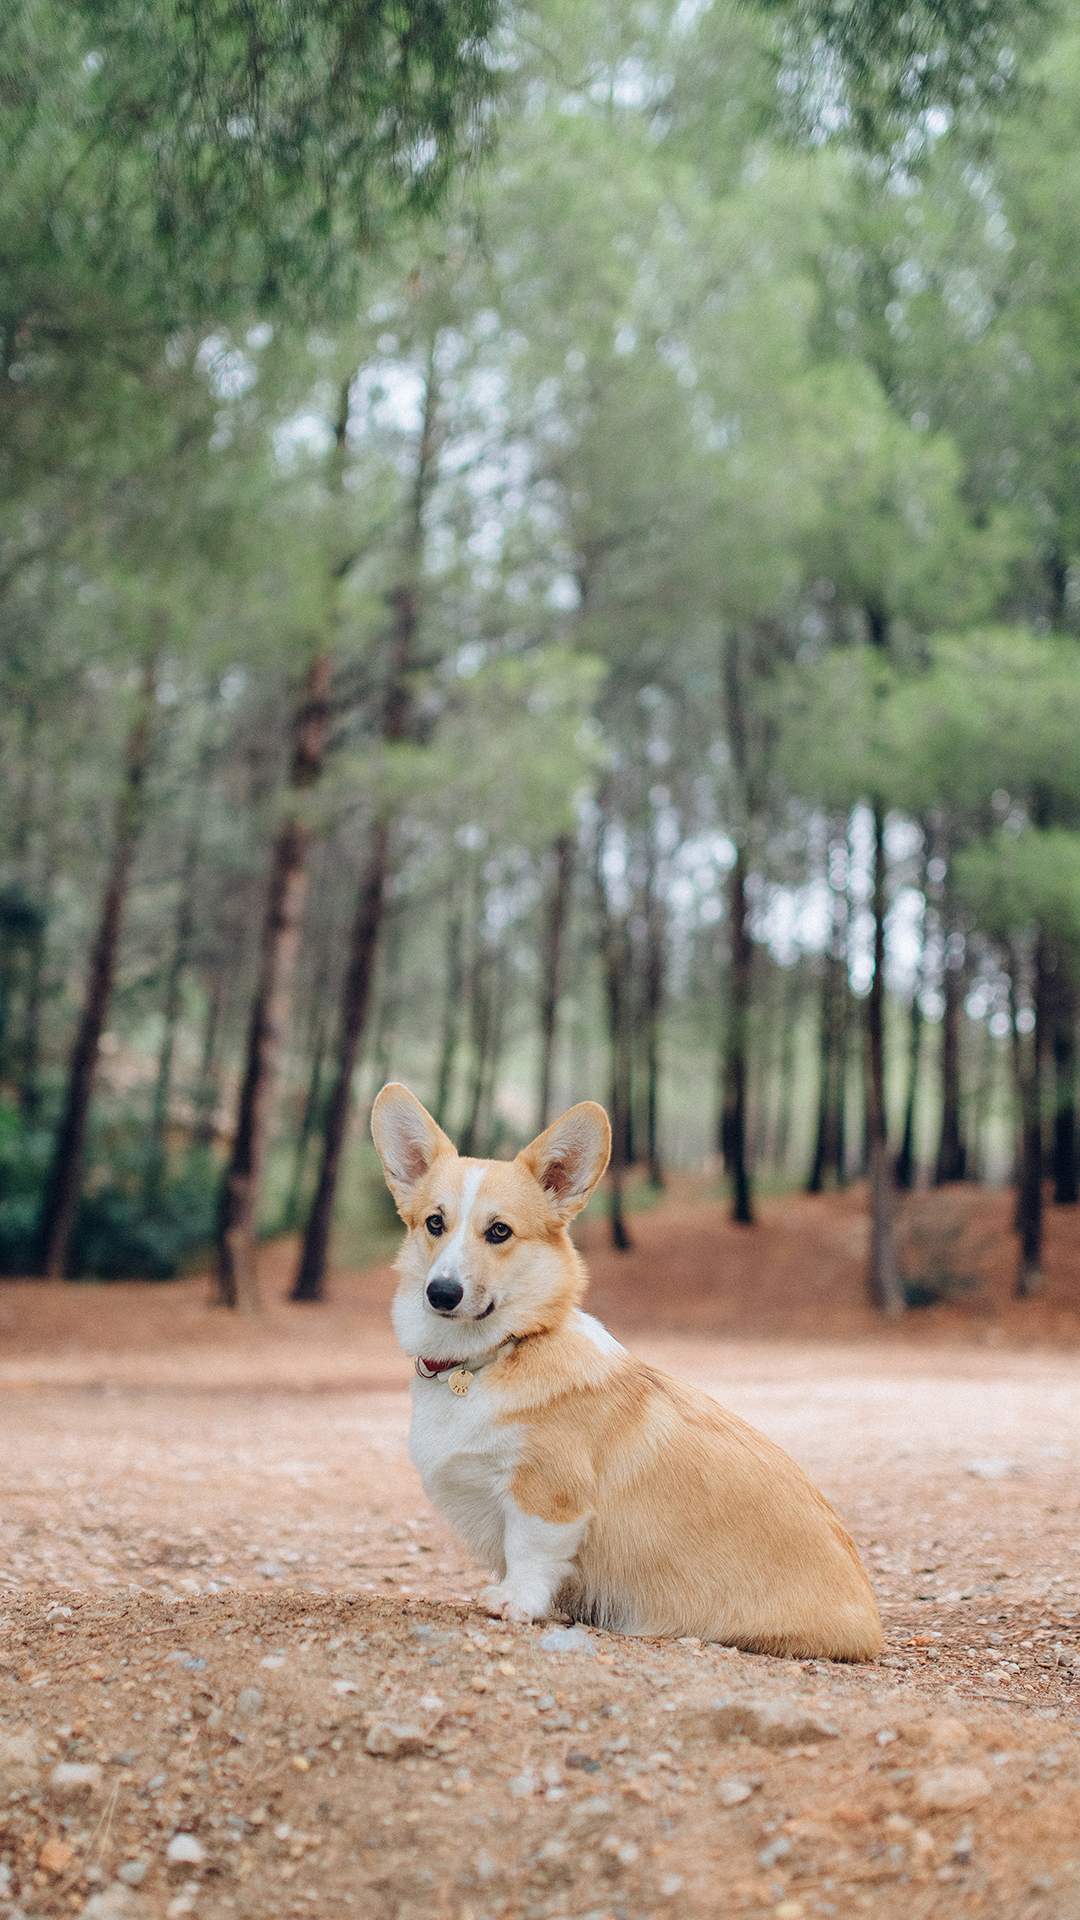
453, 1313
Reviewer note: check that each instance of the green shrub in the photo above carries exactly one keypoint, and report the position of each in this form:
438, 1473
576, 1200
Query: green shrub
121, 1232
24, 1163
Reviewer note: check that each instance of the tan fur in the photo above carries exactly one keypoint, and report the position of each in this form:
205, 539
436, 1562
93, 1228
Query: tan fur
697, 1524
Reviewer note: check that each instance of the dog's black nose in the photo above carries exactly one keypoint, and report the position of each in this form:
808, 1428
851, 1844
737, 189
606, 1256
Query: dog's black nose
444, 1295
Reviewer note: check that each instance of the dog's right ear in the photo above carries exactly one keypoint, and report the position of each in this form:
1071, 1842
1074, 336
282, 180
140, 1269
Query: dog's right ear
408, 1140
570, 1157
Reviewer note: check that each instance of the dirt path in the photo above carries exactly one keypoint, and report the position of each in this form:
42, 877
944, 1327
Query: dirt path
256, 1587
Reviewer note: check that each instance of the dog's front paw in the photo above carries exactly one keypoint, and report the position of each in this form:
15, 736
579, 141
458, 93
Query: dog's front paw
499, 1604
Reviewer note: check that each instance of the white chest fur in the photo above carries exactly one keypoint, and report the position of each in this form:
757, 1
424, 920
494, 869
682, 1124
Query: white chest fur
465, 1460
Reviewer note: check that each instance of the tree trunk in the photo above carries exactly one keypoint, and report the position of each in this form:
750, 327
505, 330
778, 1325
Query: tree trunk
883, 1280
1028, 1057
61, 1198
268, 1023
34, 923
236, 1240
829, 1145
558, 905
613, 944
397, 723
952, 1157
356, 1000
489, 991
173, 1003
844, 1023
652, 1077
389, 996
309, 1120
452, 1005
206, 1100
652, 1007
905, 1160
29, 1089
482, 990
736, 1046
792, 1008
493, 1132
1066, 1169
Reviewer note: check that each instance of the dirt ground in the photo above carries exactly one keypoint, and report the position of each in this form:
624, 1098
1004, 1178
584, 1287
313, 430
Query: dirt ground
241, 1674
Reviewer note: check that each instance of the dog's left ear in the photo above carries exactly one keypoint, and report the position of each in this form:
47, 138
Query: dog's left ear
408, 1140
570, 1157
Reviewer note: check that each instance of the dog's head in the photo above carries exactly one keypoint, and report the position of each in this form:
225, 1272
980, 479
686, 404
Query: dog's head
487, 1252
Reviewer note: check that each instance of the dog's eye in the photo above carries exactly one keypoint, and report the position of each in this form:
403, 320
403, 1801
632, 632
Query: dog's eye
434, 1224
498, 1232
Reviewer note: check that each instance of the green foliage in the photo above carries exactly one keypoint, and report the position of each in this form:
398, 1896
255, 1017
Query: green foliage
234, 154
839, 720
1020, 881
892, 531
887, 65
24, 1163
997, 713
119, 1234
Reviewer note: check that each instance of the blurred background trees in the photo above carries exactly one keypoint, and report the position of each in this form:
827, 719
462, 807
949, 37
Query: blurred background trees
538, 556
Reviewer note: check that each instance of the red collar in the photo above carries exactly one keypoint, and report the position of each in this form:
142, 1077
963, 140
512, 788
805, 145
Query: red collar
430, 1369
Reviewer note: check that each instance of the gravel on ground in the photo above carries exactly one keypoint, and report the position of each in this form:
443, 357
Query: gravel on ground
242, 1674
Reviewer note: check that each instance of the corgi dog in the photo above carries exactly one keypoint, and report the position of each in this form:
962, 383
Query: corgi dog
590, 1483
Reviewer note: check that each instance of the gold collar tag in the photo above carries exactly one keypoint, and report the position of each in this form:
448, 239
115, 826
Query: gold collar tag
460, 1380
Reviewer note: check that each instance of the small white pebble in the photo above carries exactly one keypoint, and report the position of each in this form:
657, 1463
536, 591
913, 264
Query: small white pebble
732, 1793
184, 1849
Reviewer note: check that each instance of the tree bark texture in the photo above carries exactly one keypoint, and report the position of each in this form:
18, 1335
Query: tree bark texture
789, 1036
29, 1090
832, 1071
487, 1007
206, 1099
1066, 1166
396, 726
1029, 1058
309, 1121
614, 945
62, 1188
183, 936
356, 1000
905, 1159
558, 907
237, 1269
452, 1005
952, 1154
654, 996
883, 1280
736, 1047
